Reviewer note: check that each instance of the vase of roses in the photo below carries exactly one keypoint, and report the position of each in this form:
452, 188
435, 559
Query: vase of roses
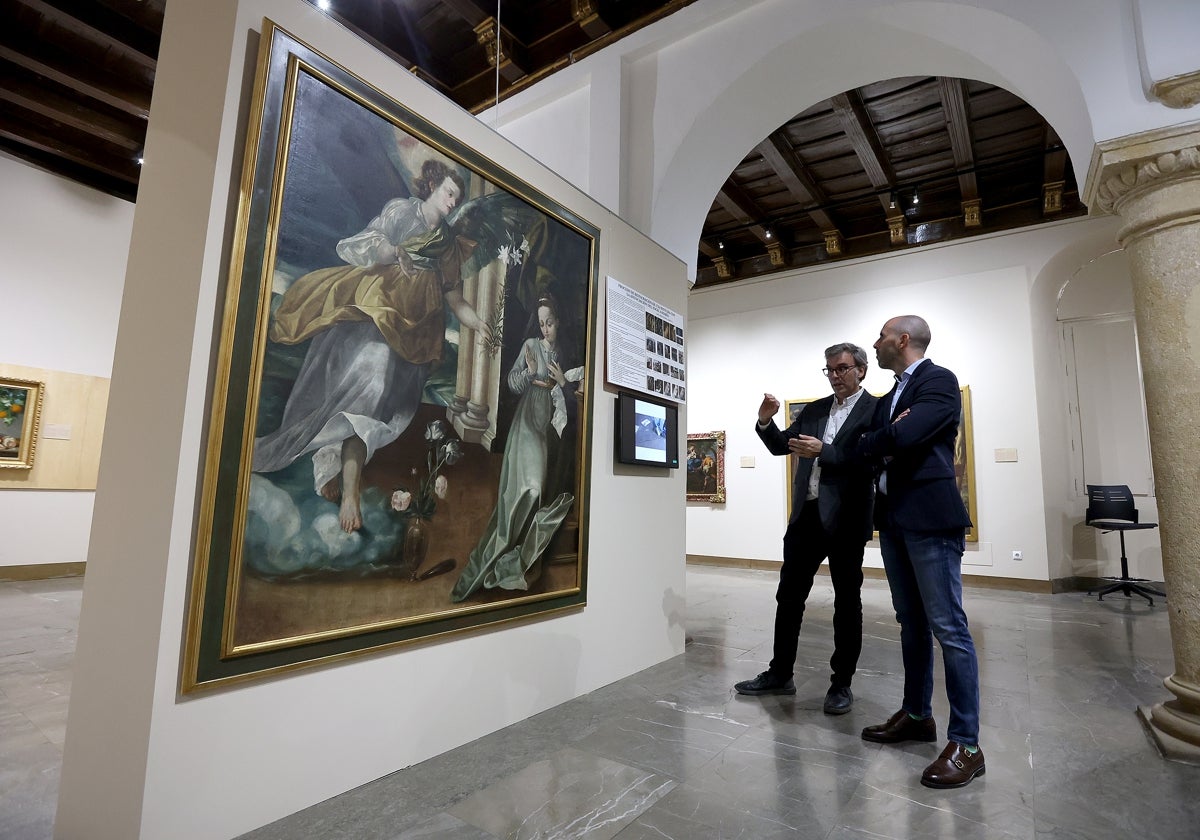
416, 505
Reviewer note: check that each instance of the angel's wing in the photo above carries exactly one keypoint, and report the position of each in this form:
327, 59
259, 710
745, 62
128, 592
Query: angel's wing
499, 224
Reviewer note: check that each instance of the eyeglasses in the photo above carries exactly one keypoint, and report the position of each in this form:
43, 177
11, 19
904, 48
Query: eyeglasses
838, 371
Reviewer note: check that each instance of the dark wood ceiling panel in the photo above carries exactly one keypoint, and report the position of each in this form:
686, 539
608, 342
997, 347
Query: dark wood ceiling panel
78, 74
77, 78
954, 143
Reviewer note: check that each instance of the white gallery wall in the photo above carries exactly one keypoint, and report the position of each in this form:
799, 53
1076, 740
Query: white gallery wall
986, 300
63, 248
140, 761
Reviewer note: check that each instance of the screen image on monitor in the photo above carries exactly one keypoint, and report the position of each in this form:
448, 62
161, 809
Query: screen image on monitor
647, 432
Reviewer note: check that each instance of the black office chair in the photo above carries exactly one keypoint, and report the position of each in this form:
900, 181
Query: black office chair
1110, 508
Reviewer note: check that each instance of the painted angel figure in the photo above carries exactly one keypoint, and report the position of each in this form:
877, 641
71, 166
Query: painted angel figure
377, 325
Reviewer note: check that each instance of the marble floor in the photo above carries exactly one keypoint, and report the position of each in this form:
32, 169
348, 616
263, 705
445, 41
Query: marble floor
673, 752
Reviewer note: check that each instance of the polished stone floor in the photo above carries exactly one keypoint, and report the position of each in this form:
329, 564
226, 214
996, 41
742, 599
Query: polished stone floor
672, 752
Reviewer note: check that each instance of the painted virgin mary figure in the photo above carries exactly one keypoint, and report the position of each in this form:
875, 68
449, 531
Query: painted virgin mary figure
508, 555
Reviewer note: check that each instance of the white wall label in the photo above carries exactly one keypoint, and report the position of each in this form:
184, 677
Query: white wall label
57, 431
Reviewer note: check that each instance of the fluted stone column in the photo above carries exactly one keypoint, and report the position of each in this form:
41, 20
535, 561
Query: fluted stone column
1152, 181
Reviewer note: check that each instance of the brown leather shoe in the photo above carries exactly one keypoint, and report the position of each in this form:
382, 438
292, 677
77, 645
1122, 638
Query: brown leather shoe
954, 768
901, 727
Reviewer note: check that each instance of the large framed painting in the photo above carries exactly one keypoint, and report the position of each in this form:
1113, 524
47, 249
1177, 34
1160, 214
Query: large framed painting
791, 410
964, 462
400, 430
706, 467
964, 458
20, 419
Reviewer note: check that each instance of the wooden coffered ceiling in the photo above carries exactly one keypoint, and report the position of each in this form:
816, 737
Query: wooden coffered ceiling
77, 76
888, 166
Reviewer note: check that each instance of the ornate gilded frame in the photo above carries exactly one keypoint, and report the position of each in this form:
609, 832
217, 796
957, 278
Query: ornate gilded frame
248, 618
20, 421
706, 484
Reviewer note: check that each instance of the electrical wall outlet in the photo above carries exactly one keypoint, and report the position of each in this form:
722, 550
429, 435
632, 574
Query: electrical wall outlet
1017, 555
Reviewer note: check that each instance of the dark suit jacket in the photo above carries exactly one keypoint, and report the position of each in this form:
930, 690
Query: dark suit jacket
921, 492
846, 489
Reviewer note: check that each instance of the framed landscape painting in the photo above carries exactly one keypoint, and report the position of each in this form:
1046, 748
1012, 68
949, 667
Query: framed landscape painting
20, 419
400, 429
706, 467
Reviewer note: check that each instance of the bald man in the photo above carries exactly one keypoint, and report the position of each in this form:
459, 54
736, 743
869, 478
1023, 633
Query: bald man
922, 526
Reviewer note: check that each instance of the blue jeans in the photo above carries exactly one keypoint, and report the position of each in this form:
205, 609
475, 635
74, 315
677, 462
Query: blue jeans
924, 571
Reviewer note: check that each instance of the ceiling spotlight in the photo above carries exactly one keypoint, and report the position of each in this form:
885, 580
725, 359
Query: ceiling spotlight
916, 196
141, 160
892, 200
323, 5
768, 234
721, 244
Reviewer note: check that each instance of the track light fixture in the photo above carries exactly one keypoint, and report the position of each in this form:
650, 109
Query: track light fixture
916, 196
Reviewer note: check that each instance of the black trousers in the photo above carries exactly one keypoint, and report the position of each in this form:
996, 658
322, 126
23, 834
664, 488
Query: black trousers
805, 545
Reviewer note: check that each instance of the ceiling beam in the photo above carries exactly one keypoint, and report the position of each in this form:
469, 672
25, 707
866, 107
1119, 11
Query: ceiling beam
468, 11
856, 124
586, 14
958, 126
501, 48
90, 33
782, 158
744, 211
81, 77
31, 137
1054, 169
48, 103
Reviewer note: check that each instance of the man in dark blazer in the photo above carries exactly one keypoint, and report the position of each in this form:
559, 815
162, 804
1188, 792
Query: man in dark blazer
831, 517
922, 524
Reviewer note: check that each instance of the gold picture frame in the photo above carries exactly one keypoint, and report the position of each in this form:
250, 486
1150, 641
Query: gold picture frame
705, 464
964, 459
348, 513
791, 410
20, 421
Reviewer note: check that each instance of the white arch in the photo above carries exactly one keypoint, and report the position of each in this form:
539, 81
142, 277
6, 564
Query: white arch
904, 39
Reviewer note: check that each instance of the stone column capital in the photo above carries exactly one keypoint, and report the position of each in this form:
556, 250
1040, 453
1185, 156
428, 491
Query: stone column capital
1125, 167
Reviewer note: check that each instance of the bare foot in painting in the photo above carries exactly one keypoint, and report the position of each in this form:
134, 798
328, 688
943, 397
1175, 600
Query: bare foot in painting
332, 489
354, 455
350, 515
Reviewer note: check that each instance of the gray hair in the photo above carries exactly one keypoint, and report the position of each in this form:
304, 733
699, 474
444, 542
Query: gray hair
859, 354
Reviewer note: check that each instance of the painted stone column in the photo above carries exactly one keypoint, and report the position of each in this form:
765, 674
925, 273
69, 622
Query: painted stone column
1152, 181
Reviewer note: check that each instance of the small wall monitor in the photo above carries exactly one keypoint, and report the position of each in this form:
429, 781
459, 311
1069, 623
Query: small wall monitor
647, 431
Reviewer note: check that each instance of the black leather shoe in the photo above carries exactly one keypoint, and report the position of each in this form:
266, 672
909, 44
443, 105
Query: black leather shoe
838, 700
901, 727
954, 768
766, 683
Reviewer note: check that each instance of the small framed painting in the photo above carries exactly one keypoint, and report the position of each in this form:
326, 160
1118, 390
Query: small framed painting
706, 467
20, 416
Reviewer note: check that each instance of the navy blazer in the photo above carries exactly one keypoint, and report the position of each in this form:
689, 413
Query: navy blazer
921, 491
846, 488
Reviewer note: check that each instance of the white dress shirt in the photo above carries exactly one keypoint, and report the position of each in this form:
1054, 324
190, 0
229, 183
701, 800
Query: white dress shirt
837, 418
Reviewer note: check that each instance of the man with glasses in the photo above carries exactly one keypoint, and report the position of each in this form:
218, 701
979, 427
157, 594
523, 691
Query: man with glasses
922, 525
831, 518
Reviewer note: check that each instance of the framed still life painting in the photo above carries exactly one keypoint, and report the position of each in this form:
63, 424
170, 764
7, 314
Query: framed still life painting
706, 467
964, 458
400, 430
20, 419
